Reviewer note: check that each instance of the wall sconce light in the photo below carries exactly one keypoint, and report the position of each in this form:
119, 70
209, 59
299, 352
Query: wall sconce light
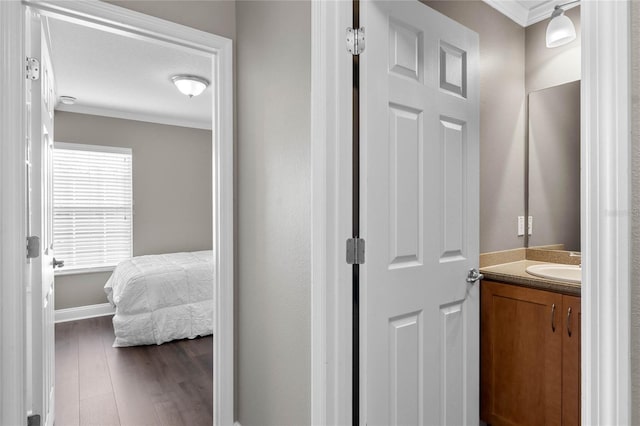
190, 85
560, 30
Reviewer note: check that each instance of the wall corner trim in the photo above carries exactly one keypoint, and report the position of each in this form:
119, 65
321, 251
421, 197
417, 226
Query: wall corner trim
84, 312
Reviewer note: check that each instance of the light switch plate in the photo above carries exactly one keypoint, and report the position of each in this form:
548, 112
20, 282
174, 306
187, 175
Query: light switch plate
520, 226
530, 225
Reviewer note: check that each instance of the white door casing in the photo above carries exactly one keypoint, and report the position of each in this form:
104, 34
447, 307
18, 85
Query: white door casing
40, 109
104, 16
12, 214
420, 196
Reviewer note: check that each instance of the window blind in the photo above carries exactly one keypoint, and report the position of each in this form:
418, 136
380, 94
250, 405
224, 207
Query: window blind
92, 205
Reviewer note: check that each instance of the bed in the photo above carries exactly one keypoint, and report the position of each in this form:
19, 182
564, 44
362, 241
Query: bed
159, 298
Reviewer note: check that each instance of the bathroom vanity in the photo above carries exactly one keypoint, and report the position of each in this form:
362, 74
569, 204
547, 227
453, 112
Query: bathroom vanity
530, 347
530, 321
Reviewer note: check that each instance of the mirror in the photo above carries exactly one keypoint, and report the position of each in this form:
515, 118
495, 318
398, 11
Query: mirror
553, 179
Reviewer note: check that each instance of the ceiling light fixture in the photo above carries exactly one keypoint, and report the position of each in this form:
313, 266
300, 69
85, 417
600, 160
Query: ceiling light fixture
560, 29
68, 100
190, 85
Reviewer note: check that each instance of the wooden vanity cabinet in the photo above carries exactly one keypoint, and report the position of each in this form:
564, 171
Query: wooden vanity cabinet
530, 366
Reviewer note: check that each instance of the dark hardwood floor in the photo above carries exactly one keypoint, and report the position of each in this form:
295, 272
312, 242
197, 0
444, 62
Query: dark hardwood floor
96, 384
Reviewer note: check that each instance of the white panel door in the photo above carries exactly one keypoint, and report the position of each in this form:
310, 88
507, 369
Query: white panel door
420, 159
40, 106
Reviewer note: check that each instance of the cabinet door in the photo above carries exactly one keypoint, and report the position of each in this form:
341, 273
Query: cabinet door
521, 355
571, 361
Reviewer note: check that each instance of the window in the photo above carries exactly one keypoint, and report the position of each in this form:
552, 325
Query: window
92, 206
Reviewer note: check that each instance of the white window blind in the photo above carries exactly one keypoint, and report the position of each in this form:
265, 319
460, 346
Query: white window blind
92, 205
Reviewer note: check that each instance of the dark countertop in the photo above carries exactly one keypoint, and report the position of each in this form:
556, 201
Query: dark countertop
515, 273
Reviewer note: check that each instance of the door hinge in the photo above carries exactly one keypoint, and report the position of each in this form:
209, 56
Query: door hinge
33, 247
33, 69
355, 251
355, 40
33, 420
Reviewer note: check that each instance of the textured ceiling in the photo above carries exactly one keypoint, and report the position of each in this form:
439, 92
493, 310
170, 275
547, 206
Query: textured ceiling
119, 76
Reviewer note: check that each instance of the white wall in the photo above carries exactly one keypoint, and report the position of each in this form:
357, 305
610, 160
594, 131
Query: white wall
273, 213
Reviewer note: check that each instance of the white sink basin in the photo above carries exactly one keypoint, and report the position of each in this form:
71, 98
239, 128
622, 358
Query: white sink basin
555, 271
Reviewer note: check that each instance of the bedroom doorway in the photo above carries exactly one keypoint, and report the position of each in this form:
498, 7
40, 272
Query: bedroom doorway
91, 131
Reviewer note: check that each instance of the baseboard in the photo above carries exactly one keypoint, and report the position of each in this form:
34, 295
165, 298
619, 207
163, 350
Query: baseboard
83, 312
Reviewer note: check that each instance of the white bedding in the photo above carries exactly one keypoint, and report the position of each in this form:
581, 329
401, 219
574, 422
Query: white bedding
159, 298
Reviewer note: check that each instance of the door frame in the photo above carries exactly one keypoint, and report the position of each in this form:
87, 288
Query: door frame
605, 211
101, 15
331, 125
12, 215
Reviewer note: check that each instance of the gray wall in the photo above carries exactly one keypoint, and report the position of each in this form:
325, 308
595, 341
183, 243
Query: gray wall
213, 16
171, 191
272, 177
273, 214
635, 212
513, 62
554, 166
272, 311
549, 67
502, 115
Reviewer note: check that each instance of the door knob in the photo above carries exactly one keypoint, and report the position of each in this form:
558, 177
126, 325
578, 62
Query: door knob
474, 276
58, 263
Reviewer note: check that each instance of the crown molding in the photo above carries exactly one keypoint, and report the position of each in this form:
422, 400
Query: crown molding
524, 16
544, 11
511, 9
136, 116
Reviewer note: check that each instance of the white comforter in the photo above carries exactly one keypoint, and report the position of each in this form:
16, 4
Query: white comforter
159, 298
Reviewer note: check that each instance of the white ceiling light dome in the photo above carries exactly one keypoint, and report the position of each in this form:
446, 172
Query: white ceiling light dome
560, 30
68, 100
190, 85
